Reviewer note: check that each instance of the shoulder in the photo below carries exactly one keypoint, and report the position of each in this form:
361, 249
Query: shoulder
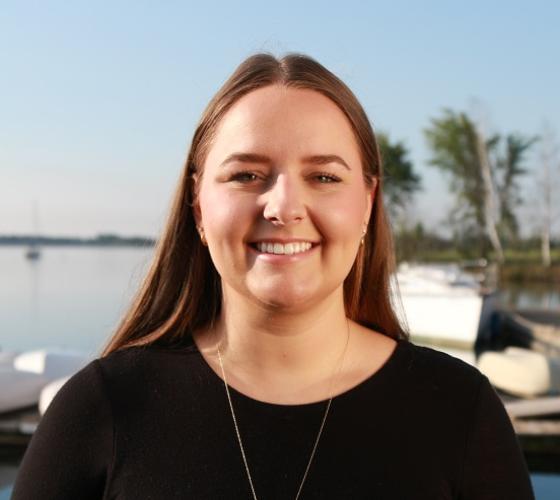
84, 389
82, 399
430, 362
133, 361
436, 376
130, 362
78, 419
138, 377
463, 415
127, 381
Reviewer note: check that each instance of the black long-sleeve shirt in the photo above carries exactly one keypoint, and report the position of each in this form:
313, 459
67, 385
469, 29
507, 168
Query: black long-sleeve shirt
154, 423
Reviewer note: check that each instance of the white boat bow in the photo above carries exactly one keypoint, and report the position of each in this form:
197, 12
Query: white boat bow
23, 375
443, 305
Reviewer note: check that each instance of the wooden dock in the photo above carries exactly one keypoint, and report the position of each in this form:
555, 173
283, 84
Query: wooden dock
537, 425
16, 429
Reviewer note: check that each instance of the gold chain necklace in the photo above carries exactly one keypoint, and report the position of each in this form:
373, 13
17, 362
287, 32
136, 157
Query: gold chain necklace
318, 434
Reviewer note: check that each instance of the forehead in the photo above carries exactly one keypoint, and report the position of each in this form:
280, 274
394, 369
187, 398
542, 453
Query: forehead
283, 121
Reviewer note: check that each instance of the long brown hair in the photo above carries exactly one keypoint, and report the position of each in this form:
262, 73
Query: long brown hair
182, 289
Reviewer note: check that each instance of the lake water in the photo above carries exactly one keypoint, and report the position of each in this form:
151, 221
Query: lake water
73, 297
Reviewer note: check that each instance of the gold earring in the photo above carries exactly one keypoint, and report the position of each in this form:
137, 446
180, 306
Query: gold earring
363, 236
202, 237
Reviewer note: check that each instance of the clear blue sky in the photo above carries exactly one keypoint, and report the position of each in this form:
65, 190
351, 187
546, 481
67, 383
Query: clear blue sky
100, 99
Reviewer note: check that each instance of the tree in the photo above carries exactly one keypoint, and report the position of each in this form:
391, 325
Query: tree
401, 182
547, 184
456, 148
510, 167
478, 167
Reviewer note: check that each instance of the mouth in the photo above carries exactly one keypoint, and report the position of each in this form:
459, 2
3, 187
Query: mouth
278, 253
274, 248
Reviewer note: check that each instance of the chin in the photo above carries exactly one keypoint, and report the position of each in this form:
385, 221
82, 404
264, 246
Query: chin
287, 300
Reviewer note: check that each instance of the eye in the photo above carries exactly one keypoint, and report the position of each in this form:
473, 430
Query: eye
326, 178
248, 177
244, 177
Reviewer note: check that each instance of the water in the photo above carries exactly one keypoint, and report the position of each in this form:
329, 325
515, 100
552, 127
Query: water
73, 298
532, 296
7, 476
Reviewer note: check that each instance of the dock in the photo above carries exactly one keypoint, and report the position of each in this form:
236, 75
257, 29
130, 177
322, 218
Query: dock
16, 430
537, 425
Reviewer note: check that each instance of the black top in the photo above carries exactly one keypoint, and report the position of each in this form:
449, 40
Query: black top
154, 423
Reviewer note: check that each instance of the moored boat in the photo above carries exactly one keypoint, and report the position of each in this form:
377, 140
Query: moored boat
23, 375
445, 306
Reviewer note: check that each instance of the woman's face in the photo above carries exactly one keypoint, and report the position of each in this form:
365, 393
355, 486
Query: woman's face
282, 199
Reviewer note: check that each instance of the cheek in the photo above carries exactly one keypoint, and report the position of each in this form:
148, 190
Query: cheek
222, 216
342, 218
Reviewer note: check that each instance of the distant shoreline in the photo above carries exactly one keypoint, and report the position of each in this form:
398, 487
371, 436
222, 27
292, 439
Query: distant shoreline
99, 240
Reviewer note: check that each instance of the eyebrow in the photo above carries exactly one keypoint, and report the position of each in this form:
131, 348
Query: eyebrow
257, 158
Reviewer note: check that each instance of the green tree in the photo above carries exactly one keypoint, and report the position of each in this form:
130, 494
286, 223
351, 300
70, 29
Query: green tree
478, 167
401, 182
454, 143
509, 167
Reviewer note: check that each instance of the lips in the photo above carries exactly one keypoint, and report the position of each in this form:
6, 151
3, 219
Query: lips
286, 247
283, 248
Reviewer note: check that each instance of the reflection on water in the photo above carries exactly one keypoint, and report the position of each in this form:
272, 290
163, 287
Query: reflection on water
531, 296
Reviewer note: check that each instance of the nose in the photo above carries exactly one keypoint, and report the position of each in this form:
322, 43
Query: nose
284, 202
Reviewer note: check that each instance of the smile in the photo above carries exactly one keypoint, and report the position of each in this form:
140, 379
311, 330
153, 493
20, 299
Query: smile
274, 248
283, 249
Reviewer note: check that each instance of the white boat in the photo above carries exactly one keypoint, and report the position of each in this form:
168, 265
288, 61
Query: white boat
33, 252
444, 306
521, 372
23, 375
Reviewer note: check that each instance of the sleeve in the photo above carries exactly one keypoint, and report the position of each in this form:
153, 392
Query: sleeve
69, 454
494, 465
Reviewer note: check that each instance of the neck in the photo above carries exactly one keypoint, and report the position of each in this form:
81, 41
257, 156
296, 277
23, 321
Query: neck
275, 344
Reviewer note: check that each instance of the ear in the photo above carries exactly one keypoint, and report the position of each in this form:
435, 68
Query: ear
197, 214
371, 193
196, 205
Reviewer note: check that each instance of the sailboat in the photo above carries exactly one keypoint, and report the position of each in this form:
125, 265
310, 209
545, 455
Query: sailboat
33, 252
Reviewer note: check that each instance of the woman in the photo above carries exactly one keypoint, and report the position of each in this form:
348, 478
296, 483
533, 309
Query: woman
262, 357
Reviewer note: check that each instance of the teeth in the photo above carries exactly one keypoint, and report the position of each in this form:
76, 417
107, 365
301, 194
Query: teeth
287, 249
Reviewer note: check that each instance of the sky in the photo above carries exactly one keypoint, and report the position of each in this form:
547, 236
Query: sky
100, 99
